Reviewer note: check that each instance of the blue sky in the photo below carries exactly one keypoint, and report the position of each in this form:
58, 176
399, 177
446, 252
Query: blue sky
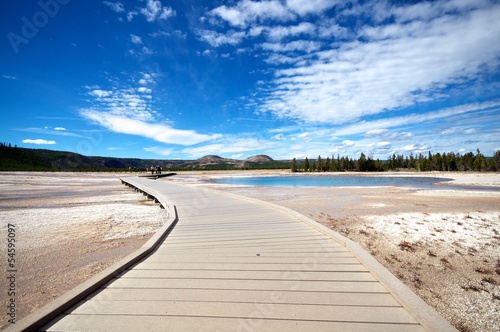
288, 78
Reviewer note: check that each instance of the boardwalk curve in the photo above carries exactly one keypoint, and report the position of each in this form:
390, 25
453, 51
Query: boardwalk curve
238, 264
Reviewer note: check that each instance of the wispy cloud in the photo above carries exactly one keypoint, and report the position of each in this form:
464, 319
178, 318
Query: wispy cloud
157, 131
39, 141
402, 56
128, 101
398, 66
247, 12
370, 126
460, 131
117, 7
228, 145
217, 39
128, 109
155, 10
136, 39
58, 131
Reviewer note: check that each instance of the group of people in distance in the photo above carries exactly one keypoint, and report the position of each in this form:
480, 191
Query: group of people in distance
156, 169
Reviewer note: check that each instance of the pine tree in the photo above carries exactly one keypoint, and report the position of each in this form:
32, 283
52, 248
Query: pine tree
362, 166
294, 165
430, 162
496, 161
306, 165
479, 163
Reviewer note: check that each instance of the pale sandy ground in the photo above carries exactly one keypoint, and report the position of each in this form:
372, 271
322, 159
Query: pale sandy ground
443, 244
69, 227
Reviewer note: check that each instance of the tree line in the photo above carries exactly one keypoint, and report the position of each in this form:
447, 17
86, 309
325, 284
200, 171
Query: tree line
449, 161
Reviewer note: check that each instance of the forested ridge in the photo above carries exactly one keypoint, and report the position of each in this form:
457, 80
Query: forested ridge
13, 158
449, 161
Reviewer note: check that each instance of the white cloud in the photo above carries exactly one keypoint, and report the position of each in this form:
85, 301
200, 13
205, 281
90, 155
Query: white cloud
48, 131
376, 132
146, 50
459, 131
227, 146
60, 128
205, 53
147, 79
217, 39
281, 59
366, 126
160, 33
470, 131
9, 77
117, 7
135, 39
100, 93
166, 13
134, 103
281, 32
154, 9
328, 28
414, 148
307, 46
159, 132
143, 89
38, 141
131, 14
387, 134
396, 66
348, 143
247, 11
383, 144
304, 7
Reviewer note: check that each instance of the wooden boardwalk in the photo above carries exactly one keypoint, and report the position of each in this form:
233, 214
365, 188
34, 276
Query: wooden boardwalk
233, 264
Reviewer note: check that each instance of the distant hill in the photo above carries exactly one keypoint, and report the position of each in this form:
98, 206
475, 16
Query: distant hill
261, 158
22, 159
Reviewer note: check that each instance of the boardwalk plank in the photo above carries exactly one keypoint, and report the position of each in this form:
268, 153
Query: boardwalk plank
394, 315
183, 324
249, 274
308, 266
271, 285
248, 296
232, 264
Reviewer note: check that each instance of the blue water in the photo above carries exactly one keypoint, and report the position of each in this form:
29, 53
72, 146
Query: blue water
301, 180
332, 181
339, 181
